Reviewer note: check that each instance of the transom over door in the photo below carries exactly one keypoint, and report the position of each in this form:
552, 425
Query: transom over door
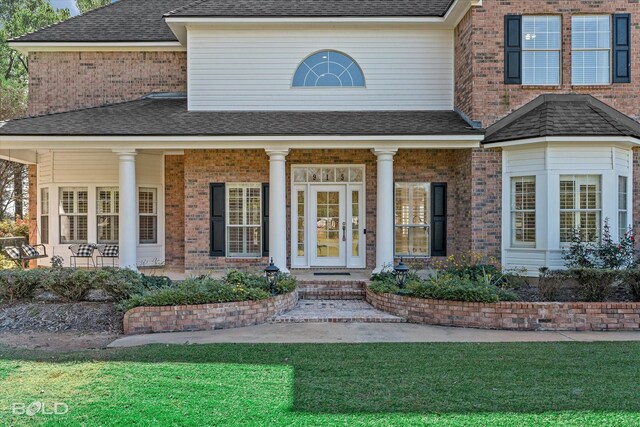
328, 226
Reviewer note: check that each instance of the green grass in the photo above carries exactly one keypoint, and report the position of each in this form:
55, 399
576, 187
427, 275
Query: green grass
548, 384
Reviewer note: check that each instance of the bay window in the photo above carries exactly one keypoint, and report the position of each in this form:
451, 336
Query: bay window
623, 217
523, 211
244, 220
44, 216
580, 207
412, 219
73, 210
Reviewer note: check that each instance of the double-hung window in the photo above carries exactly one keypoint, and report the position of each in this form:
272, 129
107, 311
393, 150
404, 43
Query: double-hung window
412, 219
73, 209
244, 220
523, 211
108, 208
591, 50
44, 216
580, 207
541, 44
148, 215
623, 217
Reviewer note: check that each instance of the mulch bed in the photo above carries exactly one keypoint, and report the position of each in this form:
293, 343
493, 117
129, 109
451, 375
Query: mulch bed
528, 291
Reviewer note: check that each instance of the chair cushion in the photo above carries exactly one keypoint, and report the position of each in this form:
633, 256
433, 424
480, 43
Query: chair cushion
13, 252
84, 250
111, 251
30, 251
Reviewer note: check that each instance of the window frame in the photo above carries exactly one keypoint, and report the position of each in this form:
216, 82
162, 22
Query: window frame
578, 180
245, 216
623, 211
315, 87
514, 211
45, 209
153, 215
114, 214
75, 215
609, 49
412, 226
525, 50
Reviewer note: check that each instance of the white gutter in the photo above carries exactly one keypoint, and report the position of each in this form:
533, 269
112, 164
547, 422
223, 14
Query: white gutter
564, 139
26, 47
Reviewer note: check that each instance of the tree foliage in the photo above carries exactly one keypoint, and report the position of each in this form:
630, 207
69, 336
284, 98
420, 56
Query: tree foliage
87, 5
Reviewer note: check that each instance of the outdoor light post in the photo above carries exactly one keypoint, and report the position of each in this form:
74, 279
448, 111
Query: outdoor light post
401, 272
271, 273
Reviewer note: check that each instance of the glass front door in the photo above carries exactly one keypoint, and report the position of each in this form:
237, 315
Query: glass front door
329, 221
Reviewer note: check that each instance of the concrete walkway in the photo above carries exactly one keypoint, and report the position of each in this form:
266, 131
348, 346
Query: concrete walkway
363, 333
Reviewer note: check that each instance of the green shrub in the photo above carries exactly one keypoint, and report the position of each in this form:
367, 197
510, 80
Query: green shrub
235, 286
69, 283
19, 284
550, 283
605, 253
631, 280
594, 284
118, 283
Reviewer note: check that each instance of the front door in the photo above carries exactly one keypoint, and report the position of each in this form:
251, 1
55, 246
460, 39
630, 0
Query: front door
328, 223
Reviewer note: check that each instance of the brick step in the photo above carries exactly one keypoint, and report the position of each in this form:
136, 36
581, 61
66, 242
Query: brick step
332, 290
332, 311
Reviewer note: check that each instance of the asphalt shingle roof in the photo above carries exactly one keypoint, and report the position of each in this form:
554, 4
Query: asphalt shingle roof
309, 8
155, 116
562, 115
143, 20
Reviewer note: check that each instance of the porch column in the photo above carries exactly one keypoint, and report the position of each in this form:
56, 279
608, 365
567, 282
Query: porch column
278, 207
384, 222
128, 209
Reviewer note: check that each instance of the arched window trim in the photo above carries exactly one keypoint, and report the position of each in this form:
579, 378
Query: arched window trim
301, 63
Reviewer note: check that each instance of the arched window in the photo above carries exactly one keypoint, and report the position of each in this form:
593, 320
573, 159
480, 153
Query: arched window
328, 68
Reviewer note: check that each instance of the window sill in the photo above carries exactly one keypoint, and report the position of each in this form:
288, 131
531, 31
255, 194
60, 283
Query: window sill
592, 87
541, 87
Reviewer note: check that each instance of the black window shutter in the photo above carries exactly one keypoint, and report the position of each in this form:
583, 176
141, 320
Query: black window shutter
217, 228
265, 219
513, 49
439, 219
622, 48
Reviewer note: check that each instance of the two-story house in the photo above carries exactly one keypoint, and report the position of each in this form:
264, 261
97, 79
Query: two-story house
332, 133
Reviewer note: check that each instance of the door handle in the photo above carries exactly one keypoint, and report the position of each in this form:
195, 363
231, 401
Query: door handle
344, 231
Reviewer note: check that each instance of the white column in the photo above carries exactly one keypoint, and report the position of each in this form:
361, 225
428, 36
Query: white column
384, 213
278, 207
128, 209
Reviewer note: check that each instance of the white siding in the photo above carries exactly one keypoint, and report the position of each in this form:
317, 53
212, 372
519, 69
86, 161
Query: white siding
548, 163
93, 169
405, 69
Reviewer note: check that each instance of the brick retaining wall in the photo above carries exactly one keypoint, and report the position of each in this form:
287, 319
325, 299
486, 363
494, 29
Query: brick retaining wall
532, 316
206, 316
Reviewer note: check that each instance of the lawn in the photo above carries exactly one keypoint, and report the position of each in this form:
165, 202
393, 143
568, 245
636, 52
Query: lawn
553, 384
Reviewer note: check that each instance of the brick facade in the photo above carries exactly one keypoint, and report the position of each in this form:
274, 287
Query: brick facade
486, 202
480, 89
174, 211
203, 167
61, 81
538, 316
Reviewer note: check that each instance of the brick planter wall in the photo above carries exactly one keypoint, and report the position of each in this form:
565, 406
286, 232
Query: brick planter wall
538, 316
205, 317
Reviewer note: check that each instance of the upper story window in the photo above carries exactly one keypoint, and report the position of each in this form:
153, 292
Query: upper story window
541, 44
591, 50
328, 68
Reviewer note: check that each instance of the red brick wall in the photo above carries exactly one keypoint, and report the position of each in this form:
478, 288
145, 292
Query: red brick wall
480, 58
532, 316
205, 317
486, 202
60, 81
202, 167
174, 211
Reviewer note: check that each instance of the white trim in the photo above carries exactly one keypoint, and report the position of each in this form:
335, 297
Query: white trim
242, 142
583, 139
26, 47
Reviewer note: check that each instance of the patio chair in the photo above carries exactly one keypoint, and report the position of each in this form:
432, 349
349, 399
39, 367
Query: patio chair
82, 250
107, 251
25, 253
